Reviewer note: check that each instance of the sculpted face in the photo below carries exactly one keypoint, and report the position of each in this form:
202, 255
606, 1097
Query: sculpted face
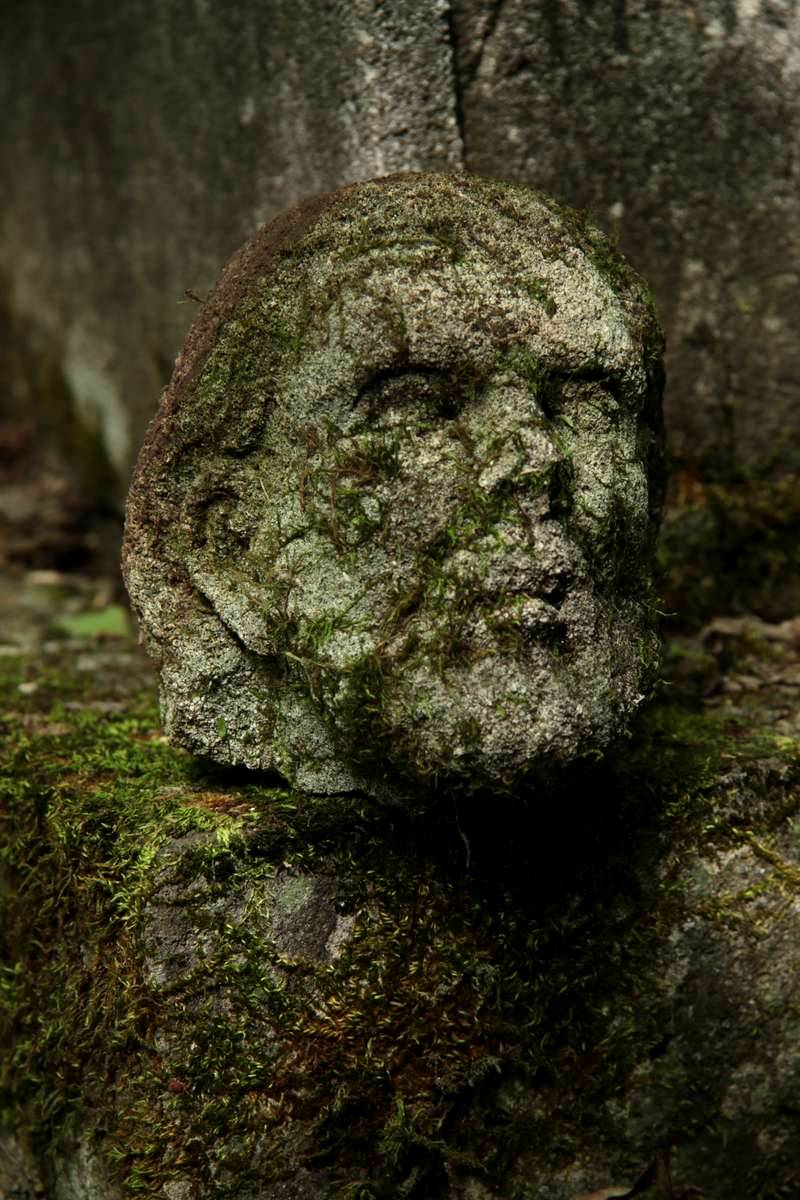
444, 558
441, 536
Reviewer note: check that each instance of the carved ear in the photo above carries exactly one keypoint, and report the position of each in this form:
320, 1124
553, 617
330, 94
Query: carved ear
242, 604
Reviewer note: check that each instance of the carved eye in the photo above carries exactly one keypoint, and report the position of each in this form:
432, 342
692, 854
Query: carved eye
436, 394
582, 397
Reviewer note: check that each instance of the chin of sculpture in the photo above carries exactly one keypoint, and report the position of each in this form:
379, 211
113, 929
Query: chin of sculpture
394, 519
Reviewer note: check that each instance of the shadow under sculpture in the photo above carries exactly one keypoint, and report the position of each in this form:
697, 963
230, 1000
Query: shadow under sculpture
394, 519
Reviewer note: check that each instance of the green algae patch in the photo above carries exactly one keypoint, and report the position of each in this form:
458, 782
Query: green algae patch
230, 982
86, 788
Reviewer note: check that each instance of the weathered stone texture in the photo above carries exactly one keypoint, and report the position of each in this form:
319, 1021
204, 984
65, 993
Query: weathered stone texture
20, 1178
406, 477
676, 124
143, 145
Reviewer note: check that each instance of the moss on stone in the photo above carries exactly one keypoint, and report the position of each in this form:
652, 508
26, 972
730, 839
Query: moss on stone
538, 289
462, 1026
437, 378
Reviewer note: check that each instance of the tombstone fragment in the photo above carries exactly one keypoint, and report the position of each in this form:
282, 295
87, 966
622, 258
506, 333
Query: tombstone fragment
394, 519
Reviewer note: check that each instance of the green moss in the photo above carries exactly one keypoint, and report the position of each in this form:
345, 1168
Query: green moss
539, 290
113, 621
332, 498
81, 822
579, 228
465, 985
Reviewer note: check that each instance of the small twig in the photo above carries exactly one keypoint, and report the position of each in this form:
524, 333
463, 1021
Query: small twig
334, 515
192, 295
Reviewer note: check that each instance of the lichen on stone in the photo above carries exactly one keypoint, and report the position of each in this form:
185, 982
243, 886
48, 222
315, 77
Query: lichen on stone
395, 517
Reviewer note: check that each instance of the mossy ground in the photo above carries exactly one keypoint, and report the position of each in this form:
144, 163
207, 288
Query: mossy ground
491, 957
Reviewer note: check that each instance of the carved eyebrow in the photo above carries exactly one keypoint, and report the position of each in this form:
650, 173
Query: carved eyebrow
556, 388
588, 372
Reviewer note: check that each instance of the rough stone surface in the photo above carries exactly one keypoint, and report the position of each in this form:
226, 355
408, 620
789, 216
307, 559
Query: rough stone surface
739, 978
19, 1175
79, 1173
674, 124
143, 148
406, 477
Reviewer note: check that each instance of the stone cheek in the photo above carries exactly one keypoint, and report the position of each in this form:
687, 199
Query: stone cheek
396, 515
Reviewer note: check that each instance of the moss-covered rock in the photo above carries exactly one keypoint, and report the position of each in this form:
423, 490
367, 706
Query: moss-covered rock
217, 986
396, 514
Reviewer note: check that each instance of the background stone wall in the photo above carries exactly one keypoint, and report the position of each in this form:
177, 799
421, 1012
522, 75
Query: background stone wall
677, 125
143, 143
146, 142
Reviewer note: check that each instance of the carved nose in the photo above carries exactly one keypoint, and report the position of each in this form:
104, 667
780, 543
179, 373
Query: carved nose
560, 487
531, 462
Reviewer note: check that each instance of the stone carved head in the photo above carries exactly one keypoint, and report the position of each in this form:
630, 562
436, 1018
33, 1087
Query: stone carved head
395, 516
